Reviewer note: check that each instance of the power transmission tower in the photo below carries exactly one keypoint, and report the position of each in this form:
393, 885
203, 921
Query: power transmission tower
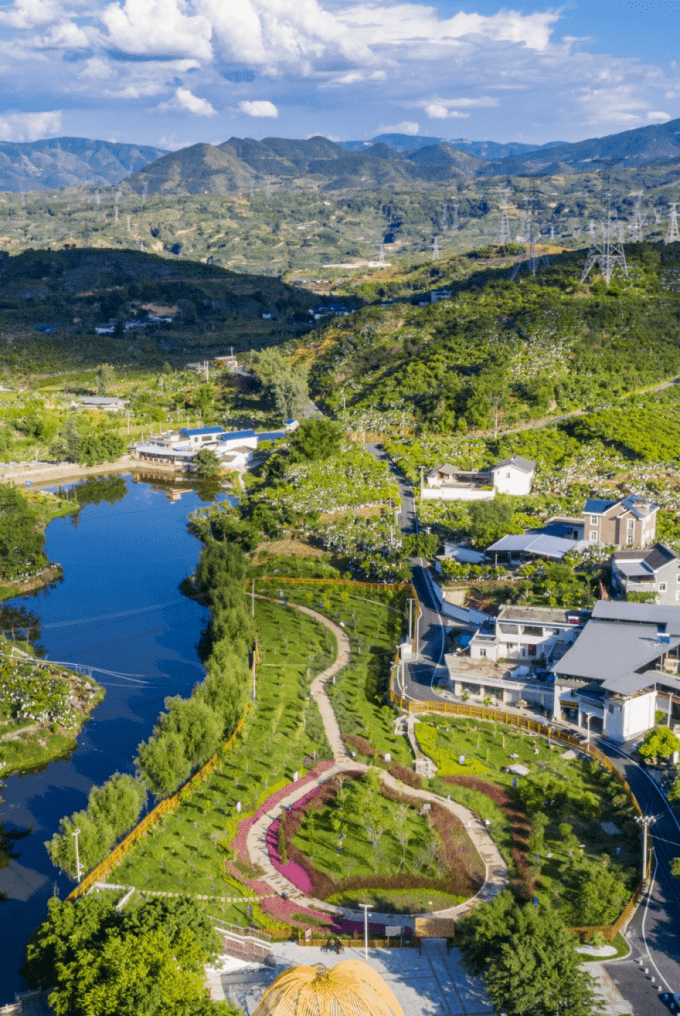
552, 234
381, 256
608, 251
532, 256
592, 228
638, 217
269, 187
504, 229
455, 217
435, 249
445, 217
673, 234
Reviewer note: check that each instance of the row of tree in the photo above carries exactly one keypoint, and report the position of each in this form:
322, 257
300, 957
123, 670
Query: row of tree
189, 732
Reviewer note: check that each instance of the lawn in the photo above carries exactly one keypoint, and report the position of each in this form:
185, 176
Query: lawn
374, 621
187, 850
570, 797
398, 901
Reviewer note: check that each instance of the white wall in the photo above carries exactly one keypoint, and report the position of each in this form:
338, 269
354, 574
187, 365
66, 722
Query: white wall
238, 442
456, 494
631, 718
510, 480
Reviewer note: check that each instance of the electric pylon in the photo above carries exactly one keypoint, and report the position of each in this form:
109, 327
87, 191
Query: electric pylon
504, 231
445, 217
638, 217
532, 257
381, 256
608, 251
435, 249
455, 217
673, 234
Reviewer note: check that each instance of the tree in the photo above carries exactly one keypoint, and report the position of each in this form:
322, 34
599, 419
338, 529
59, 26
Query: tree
21, 537
489, 520
660, 742
106, 377
207, 464
316, 438
528, 960
287, 383
196, 723
600, 895
162, 763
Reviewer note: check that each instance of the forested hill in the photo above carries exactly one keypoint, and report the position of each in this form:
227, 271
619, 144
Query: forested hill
498, 352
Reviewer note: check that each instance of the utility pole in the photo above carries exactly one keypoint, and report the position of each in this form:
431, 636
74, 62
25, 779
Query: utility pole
76, 833
254, 688
365, 907
252, 598
645, 821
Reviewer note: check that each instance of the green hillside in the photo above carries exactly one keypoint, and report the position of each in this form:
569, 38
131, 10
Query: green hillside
498, 353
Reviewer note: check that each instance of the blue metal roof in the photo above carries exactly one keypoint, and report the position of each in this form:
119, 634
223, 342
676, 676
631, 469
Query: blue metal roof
596, 505
192, 432
237, 434
272, 435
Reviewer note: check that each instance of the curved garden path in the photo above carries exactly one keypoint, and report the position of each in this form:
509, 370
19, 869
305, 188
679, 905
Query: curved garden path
496, 872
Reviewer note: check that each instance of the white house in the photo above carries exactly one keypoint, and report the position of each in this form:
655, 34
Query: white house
448, 483
527, 633
235, 440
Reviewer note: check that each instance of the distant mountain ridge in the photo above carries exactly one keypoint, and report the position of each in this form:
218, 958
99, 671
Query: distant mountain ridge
69, 162
408, 143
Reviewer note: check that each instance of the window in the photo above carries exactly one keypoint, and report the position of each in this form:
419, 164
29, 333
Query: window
508, 475
677, 595
593, 536
630, 540
663, 586
593, 520
677, 578
610, 709
631, 523
482, 652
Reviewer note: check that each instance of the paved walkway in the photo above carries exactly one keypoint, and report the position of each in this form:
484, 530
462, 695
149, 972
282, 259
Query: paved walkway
496, 872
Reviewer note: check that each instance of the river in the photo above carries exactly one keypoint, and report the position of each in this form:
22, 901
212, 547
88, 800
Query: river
118, 608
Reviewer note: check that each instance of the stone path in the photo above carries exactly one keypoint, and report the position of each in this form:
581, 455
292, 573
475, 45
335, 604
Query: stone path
496, 872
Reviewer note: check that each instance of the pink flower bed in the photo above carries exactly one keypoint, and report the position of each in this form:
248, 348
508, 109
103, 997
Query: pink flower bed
283, 910
239, 843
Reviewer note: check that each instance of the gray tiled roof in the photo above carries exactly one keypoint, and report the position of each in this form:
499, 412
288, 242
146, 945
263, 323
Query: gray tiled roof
526, 465
539, 544
609, 653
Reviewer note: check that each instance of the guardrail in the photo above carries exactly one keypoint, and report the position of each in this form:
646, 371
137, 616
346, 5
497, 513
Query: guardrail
373, 586
608, 931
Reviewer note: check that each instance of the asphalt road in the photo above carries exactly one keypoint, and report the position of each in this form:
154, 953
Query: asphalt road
653, 932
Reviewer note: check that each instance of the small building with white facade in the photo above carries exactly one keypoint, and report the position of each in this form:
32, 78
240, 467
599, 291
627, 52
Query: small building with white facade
448, 483
527, 633
654, 571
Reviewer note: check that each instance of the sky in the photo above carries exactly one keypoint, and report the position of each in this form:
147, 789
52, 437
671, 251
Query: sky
171, 73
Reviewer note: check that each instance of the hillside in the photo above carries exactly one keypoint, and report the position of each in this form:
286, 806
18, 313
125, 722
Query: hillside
69, 292
498, 353
69, 162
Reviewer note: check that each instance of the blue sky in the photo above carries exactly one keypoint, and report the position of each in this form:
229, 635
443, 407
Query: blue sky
175, 72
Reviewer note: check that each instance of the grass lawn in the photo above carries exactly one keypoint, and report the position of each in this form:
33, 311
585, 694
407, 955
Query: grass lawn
186, 851
398, 901
374, 621
574, 839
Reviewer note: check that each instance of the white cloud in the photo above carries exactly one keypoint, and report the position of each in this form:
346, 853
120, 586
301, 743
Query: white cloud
658, 117
258, 107
405, 127
438, 111
157, 28
65, 35
185, 100
30, 126
30, 13
97, 69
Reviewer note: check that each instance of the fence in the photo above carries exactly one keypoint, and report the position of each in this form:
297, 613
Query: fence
374, 587
101, 870
608, 931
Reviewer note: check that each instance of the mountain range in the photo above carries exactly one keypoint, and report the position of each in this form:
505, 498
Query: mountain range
243, 163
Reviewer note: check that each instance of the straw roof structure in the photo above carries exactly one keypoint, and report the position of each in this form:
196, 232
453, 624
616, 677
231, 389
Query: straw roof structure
350, 988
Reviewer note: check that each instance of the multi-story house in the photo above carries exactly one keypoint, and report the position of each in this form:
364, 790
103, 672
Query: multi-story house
655, 571
628, 522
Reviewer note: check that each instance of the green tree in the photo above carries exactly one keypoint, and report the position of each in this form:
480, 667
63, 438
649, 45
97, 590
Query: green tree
105, 377
600, 895
207, 463
287, 383
659, 743
162, 763
21, 536
316, 438
196, 723
489, 520
528, 960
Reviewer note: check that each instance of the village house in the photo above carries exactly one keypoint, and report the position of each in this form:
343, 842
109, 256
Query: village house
655, 571
609, 672
107, 404
516, 549
448, 483
628, 522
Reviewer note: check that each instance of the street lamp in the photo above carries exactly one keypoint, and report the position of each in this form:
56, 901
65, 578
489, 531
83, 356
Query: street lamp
589, 717
365, 907
645, 821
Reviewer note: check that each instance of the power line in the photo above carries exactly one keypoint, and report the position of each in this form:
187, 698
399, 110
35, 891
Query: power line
532, 256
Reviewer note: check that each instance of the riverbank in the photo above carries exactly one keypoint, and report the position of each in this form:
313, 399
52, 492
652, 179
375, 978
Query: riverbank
43, 707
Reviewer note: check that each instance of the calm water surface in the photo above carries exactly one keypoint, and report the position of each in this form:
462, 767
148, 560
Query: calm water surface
118, 608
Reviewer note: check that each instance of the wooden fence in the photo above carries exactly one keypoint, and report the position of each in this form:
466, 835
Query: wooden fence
608, 931
100, 871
